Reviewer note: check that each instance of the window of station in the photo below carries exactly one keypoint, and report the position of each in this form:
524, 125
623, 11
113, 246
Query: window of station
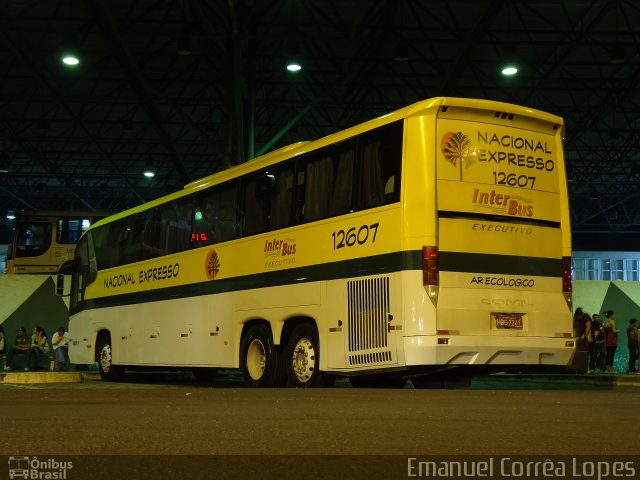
610, 269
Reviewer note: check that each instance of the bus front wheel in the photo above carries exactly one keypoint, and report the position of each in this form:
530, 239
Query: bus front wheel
108, 371
262, 364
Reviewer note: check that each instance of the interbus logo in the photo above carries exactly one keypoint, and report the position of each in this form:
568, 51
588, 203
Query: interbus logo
458, 149
499, 203
212, 264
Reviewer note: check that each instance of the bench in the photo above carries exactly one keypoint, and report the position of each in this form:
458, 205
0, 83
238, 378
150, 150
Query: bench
47, 361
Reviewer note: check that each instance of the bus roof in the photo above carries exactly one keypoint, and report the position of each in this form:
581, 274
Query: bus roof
299, 148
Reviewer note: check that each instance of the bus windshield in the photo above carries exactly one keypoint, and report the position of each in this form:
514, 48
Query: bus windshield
33, 239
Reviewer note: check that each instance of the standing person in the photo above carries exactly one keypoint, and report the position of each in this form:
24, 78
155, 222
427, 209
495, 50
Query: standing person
578, 323
599, 347
2, 352
611, 338
632, 339
580, 360
20, 347
595, 340
39, 345
60, 342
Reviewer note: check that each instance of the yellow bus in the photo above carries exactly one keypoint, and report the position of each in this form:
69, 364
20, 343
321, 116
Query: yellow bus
432, 240
43, 241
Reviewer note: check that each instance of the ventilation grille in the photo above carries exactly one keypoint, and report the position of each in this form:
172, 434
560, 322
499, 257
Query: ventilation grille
368, 321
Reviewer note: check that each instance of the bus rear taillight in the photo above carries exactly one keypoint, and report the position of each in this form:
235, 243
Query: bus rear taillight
430, 272
567, 287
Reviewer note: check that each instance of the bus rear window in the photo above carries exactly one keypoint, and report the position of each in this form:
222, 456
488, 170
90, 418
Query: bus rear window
33, 239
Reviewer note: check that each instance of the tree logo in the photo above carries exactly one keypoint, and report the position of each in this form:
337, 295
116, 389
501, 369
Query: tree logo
212, 265
457, 149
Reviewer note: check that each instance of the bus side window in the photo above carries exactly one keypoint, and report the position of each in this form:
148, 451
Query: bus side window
281, 198
318, 188
154, 242
268, 197
70, 229
214, 218
342, 198
325, 184
176, 218
104, 243
371, 176
131, 238
379, 161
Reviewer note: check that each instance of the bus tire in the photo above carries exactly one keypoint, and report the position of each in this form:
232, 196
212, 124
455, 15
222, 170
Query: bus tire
204, 374
108, 371
303, 359
262, 363
379, 380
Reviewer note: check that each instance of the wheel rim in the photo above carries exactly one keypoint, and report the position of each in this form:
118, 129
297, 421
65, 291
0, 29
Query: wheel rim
105, 358
256, 359
303, 360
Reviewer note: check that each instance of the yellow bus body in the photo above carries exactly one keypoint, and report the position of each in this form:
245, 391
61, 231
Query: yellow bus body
482, 181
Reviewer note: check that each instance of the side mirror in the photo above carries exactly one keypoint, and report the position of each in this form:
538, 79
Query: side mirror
68, 268
60, 285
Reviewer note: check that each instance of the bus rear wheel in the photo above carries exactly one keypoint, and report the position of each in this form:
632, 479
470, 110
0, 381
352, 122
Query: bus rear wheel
108, 371
262, 363
303, 359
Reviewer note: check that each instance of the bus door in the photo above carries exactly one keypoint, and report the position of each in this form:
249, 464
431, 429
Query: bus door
501, 205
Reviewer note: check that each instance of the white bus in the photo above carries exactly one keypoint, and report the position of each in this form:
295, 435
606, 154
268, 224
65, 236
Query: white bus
433, 239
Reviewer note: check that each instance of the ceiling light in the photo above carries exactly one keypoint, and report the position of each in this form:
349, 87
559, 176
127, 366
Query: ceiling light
70, 60
183, 46
148, 169
616, 54
401, 52
294, 67
11, 215
509, 70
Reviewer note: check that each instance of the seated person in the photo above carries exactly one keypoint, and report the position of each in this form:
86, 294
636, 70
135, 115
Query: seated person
60, 342
39, 345
20, 346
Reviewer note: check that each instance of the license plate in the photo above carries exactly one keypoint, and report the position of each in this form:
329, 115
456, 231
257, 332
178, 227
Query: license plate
503, 320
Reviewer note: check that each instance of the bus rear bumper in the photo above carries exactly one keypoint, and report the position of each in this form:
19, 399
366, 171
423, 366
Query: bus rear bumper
490, 350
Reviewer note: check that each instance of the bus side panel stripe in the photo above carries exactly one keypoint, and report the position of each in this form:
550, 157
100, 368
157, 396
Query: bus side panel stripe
375, 265
500, 264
